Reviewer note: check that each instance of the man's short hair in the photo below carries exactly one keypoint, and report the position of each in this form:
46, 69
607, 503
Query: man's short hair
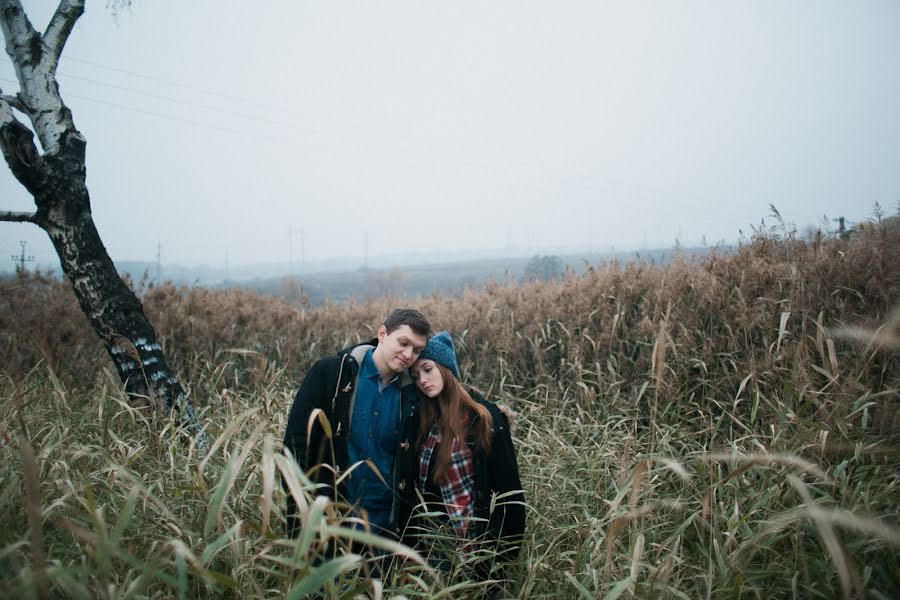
408, 316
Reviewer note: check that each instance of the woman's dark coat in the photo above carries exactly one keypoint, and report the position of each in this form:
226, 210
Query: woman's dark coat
495, 474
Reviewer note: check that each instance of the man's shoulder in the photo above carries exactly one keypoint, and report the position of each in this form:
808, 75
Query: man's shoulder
333, 358
348, 358
326, 363
326, 367
356, 353
333, 362
325, 373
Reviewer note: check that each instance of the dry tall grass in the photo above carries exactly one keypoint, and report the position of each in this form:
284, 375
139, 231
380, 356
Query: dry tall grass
724, 427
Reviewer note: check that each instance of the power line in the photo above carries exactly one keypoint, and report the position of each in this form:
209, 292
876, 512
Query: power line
183, 102
562, 177
173, 99
486, 175
192, 88
509, 167
168, 117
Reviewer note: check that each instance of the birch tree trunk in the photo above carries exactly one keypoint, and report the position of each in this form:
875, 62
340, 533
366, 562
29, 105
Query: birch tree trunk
56, 180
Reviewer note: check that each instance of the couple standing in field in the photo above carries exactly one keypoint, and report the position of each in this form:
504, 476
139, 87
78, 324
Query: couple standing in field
427, 453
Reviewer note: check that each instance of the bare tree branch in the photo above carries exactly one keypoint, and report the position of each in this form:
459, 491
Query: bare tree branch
36, 71
13, 101
6, 113
23, 43
19, 149
16, 217
67, 13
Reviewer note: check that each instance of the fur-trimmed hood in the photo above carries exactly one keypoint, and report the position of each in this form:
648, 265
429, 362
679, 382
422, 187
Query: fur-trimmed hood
358, 353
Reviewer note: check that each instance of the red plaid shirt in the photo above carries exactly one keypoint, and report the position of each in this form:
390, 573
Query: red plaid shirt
458, 489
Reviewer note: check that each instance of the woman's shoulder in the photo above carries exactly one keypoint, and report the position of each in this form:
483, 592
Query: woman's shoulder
478, 397
501, 414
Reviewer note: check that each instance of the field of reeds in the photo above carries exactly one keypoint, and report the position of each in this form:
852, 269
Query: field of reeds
722, 427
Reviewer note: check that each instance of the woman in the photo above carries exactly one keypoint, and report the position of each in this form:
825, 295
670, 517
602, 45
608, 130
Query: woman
459, 457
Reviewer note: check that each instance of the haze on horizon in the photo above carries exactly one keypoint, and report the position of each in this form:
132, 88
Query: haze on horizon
313, 130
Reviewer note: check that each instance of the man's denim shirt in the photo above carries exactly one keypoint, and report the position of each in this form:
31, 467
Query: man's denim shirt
374, 433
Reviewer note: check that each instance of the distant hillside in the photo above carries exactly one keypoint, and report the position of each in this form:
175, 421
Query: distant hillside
338, 280
445, 278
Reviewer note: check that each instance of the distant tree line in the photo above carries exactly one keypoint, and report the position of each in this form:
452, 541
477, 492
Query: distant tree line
544, 268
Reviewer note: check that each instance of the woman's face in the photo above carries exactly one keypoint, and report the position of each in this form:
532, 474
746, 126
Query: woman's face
427, 377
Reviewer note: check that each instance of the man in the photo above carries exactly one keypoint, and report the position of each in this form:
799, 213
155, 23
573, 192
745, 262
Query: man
366, 394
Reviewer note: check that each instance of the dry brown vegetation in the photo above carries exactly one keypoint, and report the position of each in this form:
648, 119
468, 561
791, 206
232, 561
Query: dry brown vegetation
717, 427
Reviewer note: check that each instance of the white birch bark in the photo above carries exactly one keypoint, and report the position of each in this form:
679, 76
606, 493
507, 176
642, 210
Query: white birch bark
54, 174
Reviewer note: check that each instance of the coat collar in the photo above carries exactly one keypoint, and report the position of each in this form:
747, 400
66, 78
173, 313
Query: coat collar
358, 353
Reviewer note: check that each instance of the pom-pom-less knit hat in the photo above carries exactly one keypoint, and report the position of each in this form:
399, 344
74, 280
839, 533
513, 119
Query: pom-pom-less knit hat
440, 349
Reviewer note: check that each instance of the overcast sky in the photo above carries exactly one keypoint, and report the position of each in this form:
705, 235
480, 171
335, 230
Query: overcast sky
215, 127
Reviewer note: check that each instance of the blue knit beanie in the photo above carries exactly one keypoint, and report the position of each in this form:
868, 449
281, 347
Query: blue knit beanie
440, 349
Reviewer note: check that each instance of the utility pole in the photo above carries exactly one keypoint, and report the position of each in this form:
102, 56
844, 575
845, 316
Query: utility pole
366, 250
291, 249
21, 259
302, 251
158, 256
842, 226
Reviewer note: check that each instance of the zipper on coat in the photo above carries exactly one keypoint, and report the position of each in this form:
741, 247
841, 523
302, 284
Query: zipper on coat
337, 385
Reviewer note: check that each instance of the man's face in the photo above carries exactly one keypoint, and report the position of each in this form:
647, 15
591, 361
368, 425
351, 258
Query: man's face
399, 349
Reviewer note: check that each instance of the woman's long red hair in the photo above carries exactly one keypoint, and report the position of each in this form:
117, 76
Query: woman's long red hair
451, 410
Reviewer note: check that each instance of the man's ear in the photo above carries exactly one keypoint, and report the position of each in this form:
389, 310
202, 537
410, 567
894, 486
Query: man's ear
382, 333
